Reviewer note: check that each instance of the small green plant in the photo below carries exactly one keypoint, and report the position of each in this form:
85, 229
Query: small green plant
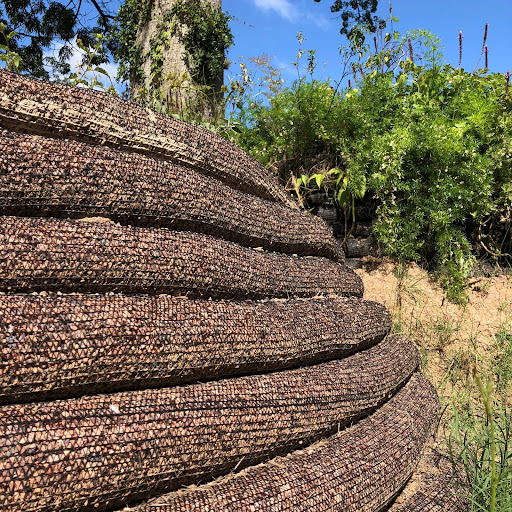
459, 366
189, 102
11, 59
400, 272
481, 443
88, 74
443, 333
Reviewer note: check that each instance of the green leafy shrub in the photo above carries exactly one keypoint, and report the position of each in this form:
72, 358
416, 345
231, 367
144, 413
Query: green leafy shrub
289, 133
438, 162
430, 143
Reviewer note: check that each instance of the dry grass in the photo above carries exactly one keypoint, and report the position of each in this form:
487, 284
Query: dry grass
452, 338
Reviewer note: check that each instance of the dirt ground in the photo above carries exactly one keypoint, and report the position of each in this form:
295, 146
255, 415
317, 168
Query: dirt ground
450, 336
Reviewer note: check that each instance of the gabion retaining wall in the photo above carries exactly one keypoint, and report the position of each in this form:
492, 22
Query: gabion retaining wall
435, 487
81, 114
361, 468
64, 178
112, 446
124, 371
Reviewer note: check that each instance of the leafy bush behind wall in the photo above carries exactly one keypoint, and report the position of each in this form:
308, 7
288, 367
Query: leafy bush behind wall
432, 144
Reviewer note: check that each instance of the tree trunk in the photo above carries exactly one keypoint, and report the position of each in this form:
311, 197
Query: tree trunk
175, 83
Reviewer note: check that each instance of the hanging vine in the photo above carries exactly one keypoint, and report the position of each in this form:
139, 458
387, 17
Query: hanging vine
127, 50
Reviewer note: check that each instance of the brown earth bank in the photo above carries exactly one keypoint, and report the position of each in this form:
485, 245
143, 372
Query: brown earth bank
453, 338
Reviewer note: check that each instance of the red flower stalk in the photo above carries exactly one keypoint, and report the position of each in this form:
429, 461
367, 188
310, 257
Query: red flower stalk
411, 53
461, 37
486, 57
483, 47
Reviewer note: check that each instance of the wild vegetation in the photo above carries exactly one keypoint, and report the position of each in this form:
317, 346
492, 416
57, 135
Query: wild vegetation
429, 143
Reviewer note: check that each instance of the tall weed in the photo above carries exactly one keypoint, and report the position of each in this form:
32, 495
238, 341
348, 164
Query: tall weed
482, 444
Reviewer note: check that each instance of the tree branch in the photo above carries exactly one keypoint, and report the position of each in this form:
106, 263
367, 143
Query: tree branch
104, 16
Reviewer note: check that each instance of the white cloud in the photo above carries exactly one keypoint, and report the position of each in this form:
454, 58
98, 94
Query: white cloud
287, 10
284, 8
319, 20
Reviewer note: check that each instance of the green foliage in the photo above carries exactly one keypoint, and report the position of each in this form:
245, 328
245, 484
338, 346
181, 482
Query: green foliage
88, 74
482, 444
203, 31
12, 59
158, 47
290, 126
201, 28
503, 359
430, 143
189, 102
38, 25
205, 34
284, 127
431, 162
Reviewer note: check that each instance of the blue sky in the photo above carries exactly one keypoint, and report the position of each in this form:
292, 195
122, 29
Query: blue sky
271, 26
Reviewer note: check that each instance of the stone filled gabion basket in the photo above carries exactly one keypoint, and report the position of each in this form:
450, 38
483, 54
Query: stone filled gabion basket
175, 335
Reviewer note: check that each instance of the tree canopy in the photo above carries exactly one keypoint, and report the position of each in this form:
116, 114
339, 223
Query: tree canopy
356, 13
42, 26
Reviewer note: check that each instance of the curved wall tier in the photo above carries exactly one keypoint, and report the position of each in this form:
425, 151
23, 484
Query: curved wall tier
58, 346
40, 254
